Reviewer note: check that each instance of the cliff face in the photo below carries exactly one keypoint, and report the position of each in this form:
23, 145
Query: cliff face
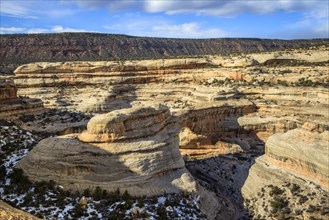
224, 103
18, 48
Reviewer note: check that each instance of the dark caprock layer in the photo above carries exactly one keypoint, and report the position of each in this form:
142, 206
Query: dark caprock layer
24, 48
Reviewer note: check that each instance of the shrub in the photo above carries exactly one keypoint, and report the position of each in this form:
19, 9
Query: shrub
278, 203
98, 193
86, 192
78, 210
161, 212
276, 191
295, 188
126, 196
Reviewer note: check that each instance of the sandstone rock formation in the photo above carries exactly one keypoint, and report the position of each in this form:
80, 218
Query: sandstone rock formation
272, 99
9, 213
303, 151
134, 149
8, 89
19, 106
10, 104
297, 160
229, 104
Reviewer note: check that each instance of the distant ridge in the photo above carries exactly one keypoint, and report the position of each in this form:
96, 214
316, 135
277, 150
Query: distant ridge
24, 48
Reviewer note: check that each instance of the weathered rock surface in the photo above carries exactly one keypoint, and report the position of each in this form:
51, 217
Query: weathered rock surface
297, 160
221, 98
225, 105
19, 106
302, 151
10, 213
298, 195
10, 104
8, 89
134, 149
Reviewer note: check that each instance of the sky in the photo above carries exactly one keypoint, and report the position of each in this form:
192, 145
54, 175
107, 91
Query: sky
279, 19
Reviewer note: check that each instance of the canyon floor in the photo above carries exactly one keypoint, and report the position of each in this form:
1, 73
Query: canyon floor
253, 132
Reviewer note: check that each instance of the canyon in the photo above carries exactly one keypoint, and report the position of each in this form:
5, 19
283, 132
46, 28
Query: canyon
248, 131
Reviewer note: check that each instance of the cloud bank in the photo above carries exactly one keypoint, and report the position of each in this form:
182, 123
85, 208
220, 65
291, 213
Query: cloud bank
208, 7
312, 20
54, 29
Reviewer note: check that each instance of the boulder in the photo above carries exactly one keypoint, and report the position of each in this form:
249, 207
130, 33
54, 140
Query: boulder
132, 149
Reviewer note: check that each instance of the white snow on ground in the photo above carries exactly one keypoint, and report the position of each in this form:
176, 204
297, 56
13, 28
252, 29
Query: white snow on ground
161, 200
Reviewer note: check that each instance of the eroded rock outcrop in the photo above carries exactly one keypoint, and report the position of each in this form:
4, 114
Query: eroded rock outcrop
298, 153
303, 151
134, 149
10, 104
10, 213
292, 177
8, 89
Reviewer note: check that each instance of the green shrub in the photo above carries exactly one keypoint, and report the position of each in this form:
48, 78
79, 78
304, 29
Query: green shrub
295, 188
78, 210
161, 212
86, 192
276, 191
278, 203
98, 193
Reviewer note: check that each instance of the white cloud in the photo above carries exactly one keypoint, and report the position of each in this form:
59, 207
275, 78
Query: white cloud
15, 9
160, 27
37, 31
10, 30
315, 12
188, 30
37, 8
59, 29
54, 29
207, 7
315, 23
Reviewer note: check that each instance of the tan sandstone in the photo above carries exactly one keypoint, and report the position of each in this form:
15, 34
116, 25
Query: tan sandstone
133, 149
8, 212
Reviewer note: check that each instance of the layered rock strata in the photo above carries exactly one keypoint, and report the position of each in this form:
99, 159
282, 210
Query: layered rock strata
303, 151
8, 89
19, 106
84, 73
207, 92
299, 153
293, 173
209, 131
134, 149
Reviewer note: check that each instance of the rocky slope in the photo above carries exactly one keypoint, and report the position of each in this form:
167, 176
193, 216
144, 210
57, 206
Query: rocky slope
10, 213
16, 49
134, 150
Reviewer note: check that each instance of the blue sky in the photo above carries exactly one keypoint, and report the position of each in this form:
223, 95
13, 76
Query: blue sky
284, 19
